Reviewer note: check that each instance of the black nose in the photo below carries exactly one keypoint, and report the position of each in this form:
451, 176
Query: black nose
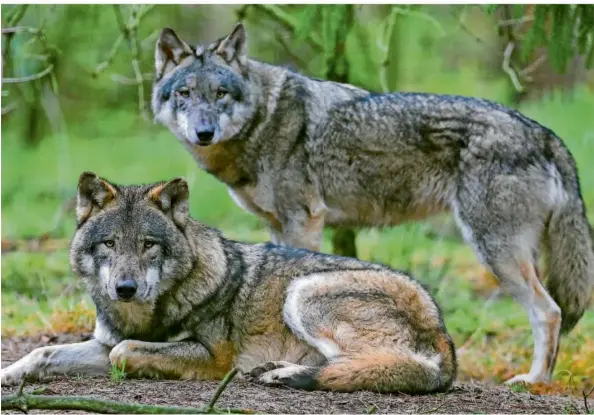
126, 289
205, 136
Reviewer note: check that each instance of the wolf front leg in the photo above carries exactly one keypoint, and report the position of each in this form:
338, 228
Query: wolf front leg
302, 223
86, 358
176, 360
303, 231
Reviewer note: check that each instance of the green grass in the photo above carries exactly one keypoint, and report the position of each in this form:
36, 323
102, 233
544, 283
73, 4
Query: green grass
118, 373
40, 293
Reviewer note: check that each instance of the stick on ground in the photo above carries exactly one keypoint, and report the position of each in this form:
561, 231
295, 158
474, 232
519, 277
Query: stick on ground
25, 401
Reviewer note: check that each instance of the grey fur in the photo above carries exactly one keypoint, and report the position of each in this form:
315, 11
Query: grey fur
205, 303
303, 153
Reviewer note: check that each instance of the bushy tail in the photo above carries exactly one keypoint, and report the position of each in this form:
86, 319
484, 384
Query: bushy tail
570, 260
390, 371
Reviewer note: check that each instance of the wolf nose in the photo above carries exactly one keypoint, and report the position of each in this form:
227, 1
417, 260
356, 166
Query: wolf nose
126, 289
204, 136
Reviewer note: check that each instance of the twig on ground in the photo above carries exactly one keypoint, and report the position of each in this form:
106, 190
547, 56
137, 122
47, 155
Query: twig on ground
105, 406
585, 395
228, 378
24, 402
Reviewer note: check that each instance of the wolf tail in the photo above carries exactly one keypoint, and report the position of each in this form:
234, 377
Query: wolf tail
569, 246
391, 370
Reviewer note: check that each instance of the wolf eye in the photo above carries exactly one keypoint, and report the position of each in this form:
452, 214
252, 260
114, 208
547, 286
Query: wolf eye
221, 92
148, 244
109, 243
184, 93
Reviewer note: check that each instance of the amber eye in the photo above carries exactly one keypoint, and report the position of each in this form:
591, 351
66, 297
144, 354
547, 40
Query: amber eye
184, 93
109, 243
148, 244
221, 93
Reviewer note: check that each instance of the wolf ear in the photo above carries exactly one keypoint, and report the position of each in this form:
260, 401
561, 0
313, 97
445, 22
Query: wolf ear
172, 199
234, 46
170, 51
94, 194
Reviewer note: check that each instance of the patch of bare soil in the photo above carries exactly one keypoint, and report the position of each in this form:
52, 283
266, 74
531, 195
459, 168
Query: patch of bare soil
463, 398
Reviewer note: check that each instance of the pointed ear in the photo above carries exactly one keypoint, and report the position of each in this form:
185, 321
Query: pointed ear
172, 199
234, 46
170, 51
94, 194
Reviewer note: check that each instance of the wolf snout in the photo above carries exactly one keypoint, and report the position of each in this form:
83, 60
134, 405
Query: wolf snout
205, 136
126, 289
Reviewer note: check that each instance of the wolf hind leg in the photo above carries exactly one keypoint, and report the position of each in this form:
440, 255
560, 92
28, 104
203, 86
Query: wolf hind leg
349, 318
510, 251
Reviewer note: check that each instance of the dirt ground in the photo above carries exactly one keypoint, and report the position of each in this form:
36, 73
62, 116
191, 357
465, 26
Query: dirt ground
463, 398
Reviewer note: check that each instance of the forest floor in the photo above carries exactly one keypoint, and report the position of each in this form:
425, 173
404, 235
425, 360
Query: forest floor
475, 397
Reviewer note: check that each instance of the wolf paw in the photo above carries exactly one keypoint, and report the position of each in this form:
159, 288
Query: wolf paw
284, 374
264, 375
527, 378
11, 377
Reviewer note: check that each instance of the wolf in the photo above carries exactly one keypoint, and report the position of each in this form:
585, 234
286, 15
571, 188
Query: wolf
175, 299
304, 153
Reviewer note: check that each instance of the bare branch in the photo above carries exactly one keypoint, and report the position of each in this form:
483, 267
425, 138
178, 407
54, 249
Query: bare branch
506, 66
112, 53
384, 46
19, 29
29, 78
515, 22
532, 67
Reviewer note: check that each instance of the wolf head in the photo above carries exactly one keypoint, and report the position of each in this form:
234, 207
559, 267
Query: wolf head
129, 244
203, 95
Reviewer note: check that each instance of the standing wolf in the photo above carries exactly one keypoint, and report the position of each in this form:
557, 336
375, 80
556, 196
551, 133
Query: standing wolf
303, 153
177, 300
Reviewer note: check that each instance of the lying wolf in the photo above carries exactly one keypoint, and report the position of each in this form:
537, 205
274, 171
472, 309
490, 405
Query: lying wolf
304, 153
177, 300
